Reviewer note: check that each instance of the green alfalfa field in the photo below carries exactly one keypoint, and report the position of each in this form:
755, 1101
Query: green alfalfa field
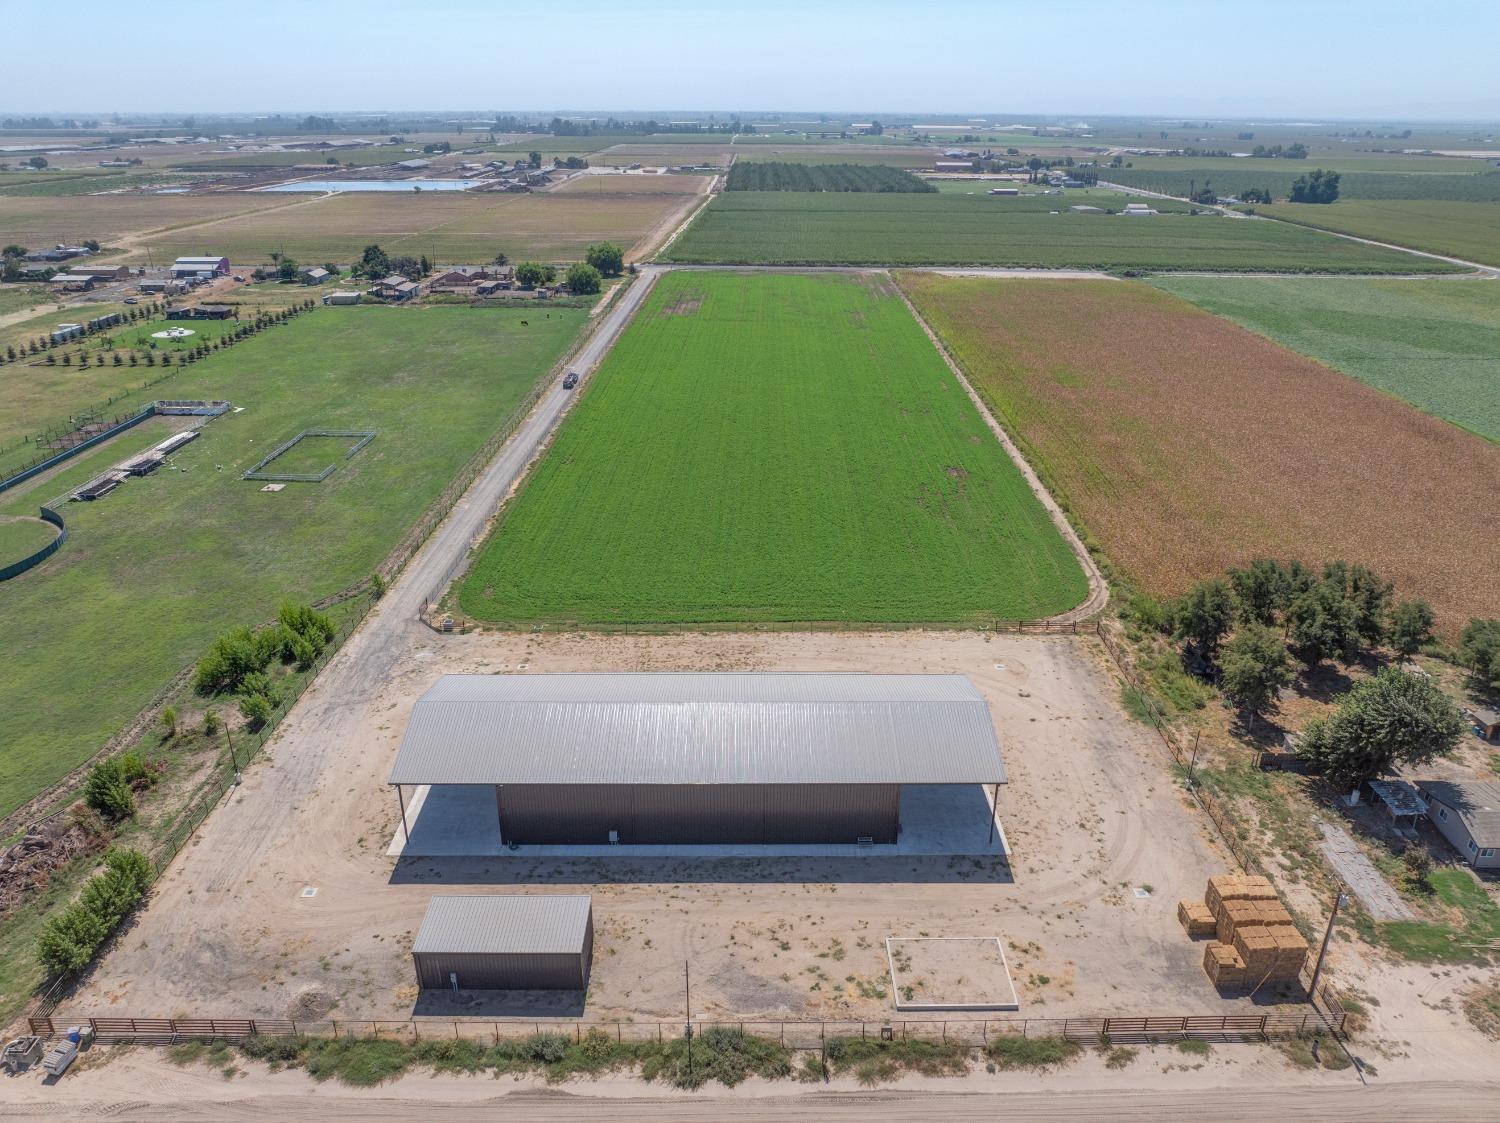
773, 448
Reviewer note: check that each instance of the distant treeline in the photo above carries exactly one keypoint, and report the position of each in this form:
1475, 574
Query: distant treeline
776, 176
1483, 187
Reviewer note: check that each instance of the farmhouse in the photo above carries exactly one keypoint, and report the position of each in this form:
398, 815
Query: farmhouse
395, 287
201, 312
461, 275
734, 758
195, 266
58, 252
314, 274
505, 941
1467, 814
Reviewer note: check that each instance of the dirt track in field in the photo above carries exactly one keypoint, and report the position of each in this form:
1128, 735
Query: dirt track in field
1186, 444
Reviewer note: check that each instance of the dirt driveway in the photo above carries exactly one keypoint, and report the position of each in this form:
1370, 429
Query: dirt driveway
1089, 812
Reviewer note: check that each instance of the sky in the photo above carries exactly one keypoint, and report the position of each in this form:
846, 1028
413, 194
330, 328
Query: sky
1315, 59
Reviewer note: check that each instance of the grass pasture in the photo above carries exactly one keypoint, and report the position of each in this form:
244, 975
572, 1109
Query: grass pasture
1466, 230
787, 228
1186, 444
1235, 177
154, 571
21, 536
111, 218
1437, 345
773, 448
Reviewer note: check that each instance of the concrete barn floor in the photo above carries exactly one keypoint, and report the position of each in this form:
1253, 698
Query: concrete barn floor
460, 820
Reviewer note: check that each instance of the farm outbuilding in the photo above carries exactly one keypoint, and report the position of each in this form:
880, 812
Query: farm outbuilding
505, 941
653, 759
193, 266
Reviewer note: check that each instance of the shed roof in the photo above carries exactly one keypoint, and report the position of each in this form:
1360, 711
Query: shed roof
1477, 803
504, 923
695, 728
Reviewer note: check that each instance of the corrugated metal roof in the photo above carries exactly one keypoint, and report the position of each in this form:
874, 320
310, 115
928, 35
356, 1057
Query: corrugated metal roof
700, 729
504, 923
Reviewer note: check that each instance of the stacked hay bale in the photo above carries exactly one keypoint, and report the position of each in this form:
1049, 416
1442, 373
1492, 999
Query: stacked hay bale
1254, 941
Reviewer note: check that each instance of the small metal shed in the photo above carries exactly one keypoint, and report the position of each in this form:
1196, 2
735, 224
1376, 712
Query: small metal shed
505, 941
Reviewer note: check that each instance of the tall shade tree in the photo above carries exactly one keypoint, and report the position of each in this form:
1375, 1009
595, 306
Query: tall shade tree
1263, 590
606, 257
1479, 650
1411, 627
1384, 723
1204, 615
1253, 667
1324, 625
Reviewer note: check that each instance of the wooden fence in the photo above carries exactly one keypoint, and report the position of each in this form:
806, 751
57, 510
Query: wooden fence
970, 1032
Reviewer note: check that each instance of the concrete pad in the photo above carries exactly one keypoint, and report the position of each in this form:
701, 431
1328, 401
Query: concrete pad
937, 820
950, 973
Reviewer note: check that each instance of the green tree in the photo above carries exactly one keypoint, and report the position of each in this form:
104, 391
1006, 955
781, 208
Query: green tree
210, 722
37, 162
606, 257
255, 709
534, 159
1315, 187
500, 259
1253, 667
1324, 625
1262, 591
1383, 723
374, 263
529, 274
286, 269
1204, 616
1411, 627
169, 721
583, 279
1479, 650
13, 250
1368, 595
107, 790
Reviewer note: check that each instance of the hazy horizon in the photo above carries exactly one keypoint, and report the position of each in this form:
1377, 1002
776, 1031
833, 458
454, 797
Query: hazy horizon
1330, 61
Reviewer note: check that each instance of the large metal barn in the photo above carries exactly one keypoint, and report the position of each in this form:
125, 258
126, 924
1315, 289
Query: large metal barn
590, 759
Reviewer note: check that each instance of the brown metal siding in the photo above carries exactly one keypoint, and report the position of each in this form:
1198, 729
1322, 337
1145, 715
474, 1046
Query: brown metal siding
501, 971
583, 814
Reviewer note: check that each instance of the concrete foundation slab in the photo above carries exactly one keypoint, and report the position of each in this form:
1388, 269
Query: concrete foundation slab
937, 820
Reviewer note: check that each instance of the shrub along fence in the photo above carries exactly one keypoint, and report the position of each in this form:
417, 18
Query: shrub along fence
970, 1032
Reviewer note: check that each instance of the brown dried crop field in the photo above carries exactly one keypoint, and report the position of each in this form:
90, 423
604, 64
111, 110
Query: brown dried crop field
632, 184
43, 220
1186, 444
247, 227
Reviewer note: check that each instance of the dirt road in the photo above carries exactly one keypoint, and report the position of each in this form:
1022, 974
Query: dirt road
139, 1086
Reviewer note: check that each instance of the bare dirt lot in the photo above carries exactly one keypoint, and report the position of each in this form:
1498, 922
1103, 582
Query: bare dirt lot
1089, 813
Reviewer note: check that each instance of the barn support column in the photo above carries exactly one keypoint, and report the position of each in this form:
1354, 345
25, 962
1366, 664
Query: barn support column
994, 810
405, 830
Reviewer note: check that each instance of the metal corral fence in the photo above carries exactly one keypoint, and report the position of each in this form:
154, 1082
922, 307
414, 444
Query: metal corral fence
258, 472
970, 1032
1183, 755
15, 569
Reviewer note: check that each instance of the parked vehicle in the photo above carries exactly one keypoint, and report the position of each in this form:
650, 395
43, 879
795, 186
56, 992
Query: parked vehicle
131, 300
570, 381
